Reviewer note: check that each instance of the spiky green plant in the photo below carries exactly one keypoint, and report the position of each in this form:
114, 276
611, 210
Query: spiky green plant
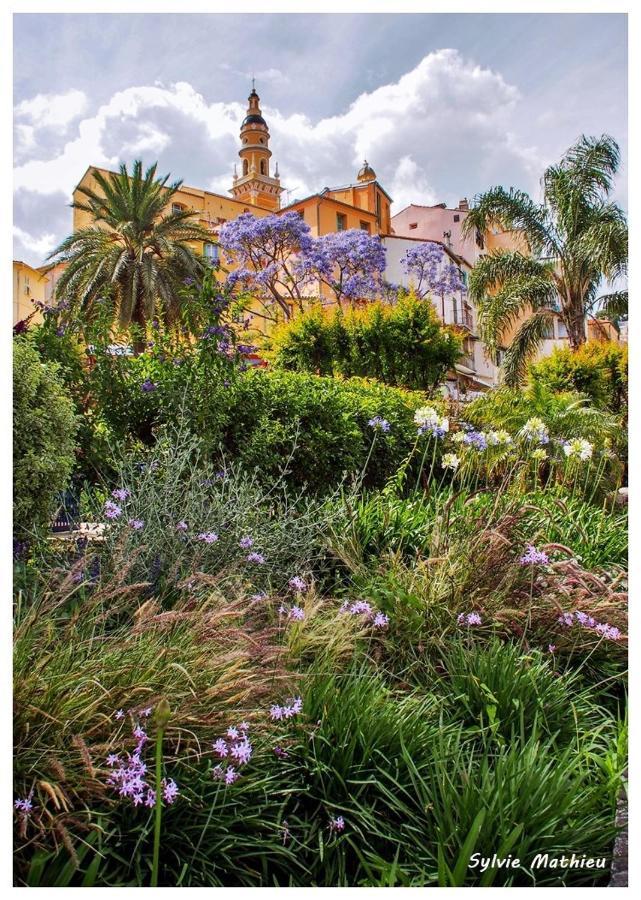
136, 253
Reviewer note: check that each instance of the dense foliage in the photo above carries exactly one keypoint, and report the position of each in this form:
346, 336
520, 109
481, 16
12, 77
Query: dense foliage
598, 369
404, 344
44, 428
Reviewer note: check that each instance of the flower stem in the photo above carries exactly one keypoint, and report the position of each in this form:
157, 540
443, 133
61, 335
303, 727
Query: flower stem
158, 817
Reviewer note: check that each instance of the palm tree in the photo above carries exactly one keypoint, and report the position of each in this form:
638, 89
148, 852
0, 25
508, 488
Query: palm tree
572, 240
135, 254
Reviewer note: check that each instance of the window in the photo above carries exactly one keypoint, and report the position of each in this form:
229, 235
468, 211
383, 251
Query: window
562, 330
177, 207
365, 227
211, 253
245, 167
413, 225
457, 218
341, 222
263, 170
548, 331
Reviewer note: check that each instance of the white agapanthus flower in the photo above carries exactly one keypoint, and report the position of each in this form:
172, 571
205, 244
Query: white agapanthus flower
450, 461
578, 447
535, 429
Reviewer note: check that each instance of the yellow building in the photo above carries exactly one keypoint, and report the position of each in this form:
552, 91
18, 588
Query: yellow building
29, 288
364, 204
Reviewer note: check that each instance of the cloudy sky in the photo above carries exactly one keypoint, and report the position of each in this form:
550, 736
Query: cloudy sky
442, 106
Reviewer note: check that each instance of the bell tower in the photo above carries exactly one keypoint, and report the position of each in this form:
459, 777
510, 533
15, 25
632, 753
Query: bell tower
255, 186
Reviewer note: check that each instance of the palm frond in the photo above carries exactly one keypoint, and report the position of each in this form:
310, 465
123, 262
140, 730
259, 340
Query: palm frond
524, 346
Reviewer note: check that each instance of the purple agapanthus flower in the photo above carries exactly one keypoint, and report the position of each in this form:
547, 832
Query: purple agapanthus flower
337, 824
245, 543
170, 790
379, 424
221, 748
208, 537
148, 386
136, 524
297, 613
469, 619
181, 526
121, 494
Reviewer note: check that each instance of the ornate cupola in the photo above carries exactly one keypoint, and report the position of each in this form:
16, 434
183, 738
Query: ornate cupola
366, 173
254, 185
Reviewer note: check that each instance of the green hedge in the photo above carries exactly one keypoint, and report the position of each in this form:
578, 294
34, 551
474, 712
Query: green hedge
404, 344
322, 423
598, 369
44, 429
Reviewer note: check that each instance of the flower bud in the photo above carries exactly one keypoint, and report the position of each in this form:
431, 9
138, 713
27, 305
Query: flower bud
162, 713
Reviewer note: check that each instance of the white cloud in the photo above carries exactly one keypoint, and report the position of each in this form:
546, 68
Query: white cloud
52, 110
447, 121
39, 246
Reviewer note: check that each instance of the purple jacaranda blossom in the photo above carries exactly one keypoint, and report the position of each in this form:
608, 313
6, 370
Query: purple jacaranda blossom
379, 424
298, 584
221, 748
431, 271
121, 494
246, 542
534, 557
148, 386
337, 824
112, 510
267, 254
136, 524
350, 263
257, 558
209, 537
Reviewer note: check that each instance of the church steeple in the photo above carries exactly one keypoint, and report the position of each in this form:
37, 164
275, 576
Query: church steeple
255, 185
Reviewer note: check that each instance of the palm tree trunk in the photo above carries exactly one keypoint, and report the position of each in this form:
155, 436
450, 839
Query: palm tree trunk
575, 324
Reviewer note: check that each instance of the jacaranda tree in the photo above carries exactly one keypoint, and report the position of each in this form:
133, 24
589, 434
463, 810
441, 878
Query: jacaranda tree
282, 266
431, 270
350, 263
266, 252
136, 254
572, 240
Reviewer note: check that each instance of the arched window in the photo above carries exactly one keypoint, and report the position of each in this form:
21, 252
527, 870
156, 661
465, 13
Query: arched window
263, 167
245, 167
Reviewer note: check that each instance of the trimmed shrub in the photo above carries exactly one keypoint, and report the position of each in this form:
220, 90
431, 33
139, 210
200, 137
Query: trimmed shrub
403, 344
44, 429
598, 369
319, 427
